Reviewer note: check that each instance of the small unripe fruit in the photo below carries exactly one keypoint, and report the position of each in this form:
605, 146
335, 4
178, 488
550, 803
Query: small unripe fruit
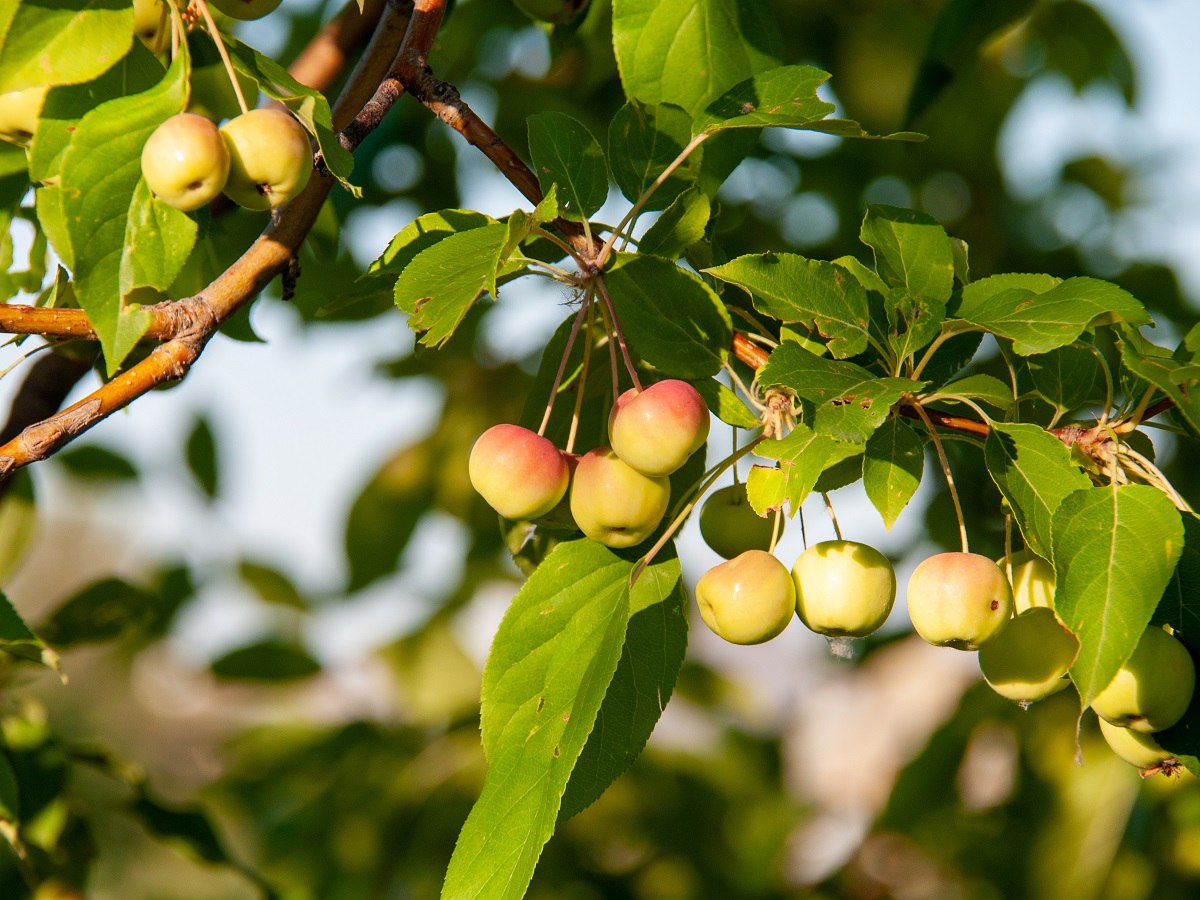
1030, 657
1032, 581
843, 588
614, 504
270, 158
958, 600
19, 111
185, 162
520, 474
1135, 747
729, 524
747, 600
657, 429
245, 9
1154, 687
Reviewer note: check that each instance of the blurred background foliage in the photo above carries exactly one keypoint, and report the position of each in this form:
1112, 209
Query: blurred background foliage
269, 770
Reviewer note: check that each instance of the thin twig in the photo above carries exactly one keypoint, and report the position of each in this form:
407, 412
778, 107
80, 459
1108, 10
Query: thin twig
616, 327
945, 463
214, 33
562, 363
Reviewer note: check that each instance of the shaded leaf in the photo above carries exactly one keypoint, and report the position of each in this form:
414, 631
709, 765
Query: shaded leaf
892, 467
681, 225
643, 140
566, 154
96, 463
803, 455
725, 404
266, 661
200, 451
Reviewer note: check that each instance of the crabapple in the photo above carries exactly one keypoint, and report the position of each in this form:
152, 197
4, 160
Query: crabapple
1154, 687
1029, 658
1135, 747
185, 161
729, 524
270, 158
613, 503
1032, 581
655, 430
748, 599
843, 588
958, 600
19, 111
520, 474
246, 9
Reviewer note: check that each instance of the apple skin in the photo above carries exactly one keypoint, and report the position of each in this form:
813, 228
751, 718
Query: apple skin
614, 504
245, 9
520, 474
1032, 581
958, 600
270, 158
185, 162
843, 588
729, 524
748, 599
19, 111
1153, 689
657, 429
1135, 747
557, 12
1030, 657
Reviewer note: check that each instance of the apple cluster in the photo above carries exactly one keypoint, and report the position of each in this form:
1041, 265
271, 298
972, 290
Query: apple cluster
618, 493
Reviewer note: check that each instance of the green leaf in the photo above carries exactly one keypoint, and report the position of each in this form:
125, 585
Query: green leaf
566, 154
10, 794
158, 241
892, 467
63, 42
267, 661
16, 638
803, 455
1179, 606
95, 463
642, 141
655, 641
551, 663
785, 97
18, 522
421, 234
102, 611
1068, 377
725, 404
1033, 470
794, 289
1114, 552
689, 52
850, 401
766, 488
1178, 379
681, 225
271, 585
522, 224
308, 104
911, 251
670, 317
200, 451
978, 294
101, 171
442, 283
862, 273
983, 388
1038, 322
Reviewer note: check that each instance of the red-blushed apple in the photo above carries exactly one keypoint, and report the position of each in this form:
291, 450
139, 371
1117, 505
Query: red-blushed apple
729, 524
270, 158
520, 474
19, 111
843, 588
657, 429
245, 9
748, 599
1030, 657
185, 161
1032, 581
958, 600
613, 503
1154, 687
1135, 747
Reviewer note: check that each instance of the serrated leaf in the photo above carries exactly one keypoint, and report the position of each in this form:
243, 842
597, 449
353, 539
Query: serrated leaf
1038, 322
803, 455
1068, 377
766, 488
893, 463
522, 224
689, 52
1178, 379
791, 288
643, 140
158, 241
1033, 470
981, 387
63, 42
862, 273
550, 665
681, 225
1114, 552
421, 234
566, 154
442, 283
911, 250
785, 97
979, 293
850, 402
723, 403
670, 317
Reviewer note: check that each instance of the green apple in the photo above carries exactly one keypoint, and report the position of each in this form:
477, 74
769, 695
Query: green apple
1154, 687
1135, 747
245, 9
958, 600
1032, 581
748, 599
185, 162
655, 430
843, 588
270, 158
614, 504
19, 111
1030, 657
520, 474
729, 524
557, 12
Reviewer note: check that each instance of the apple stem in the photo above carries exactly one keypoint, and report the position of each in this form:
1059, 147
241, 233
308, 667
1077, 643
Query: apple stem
581, 384
733, 434
211, 27
562, 364
803, 530
945, 463
616, 327
1008, 569
613, 365
832, 515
